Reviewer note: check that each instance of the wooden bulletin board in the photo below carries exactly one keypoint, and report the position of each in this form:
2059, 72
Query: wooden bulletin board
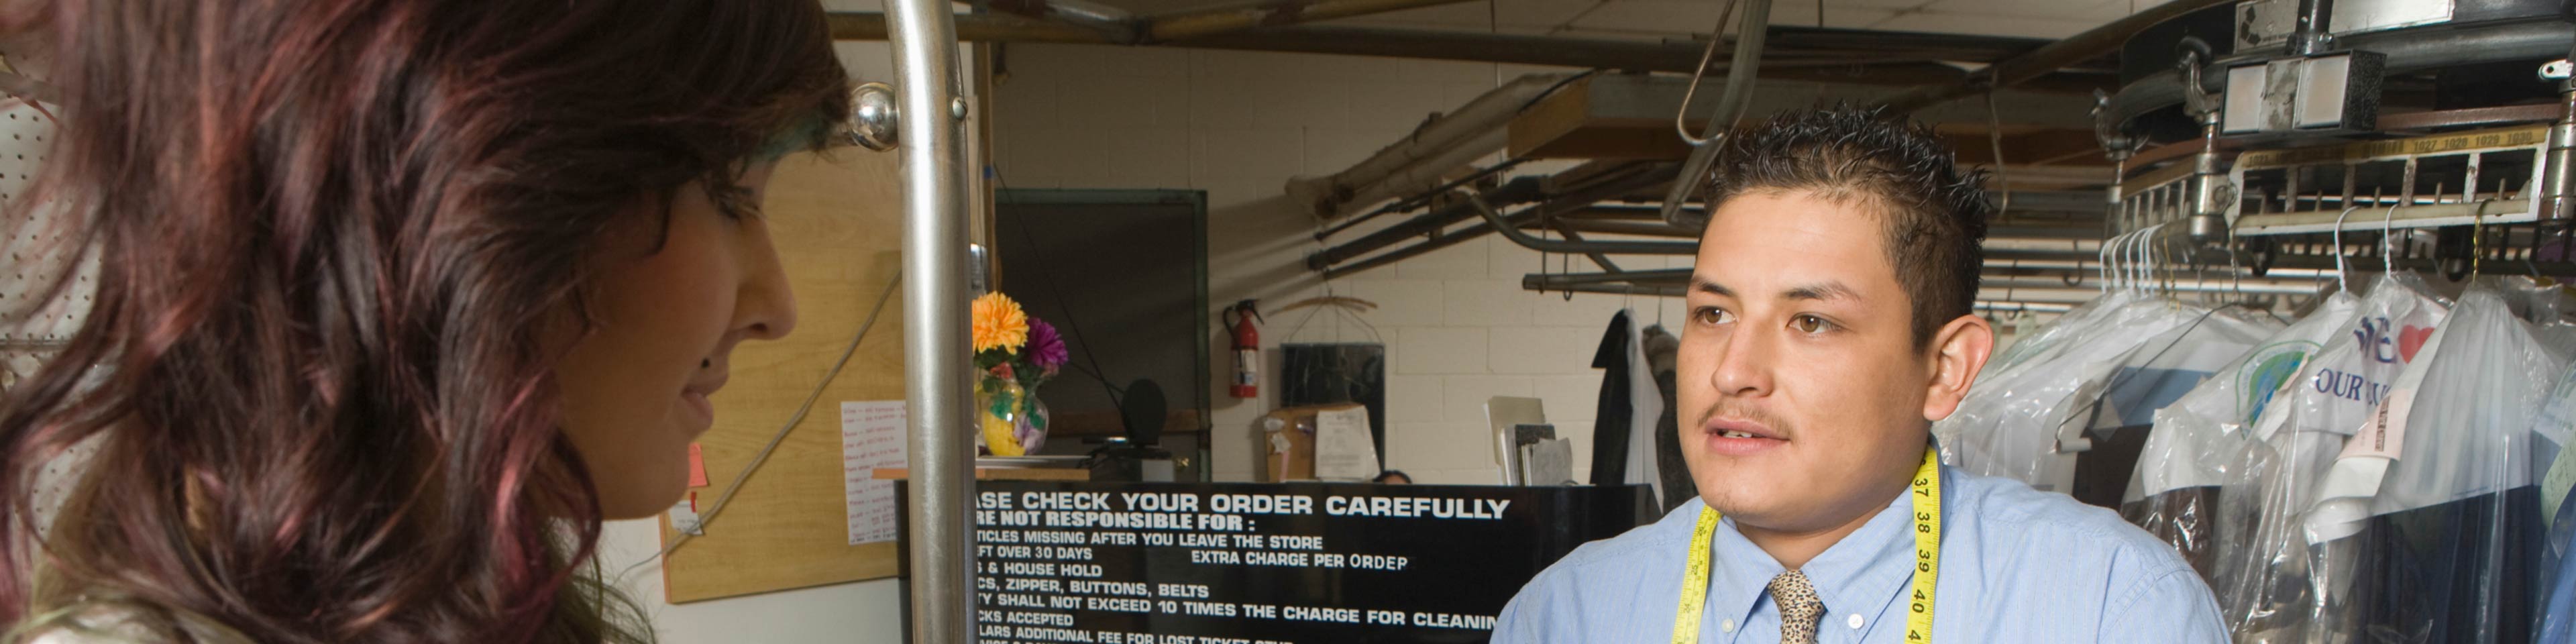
837, 225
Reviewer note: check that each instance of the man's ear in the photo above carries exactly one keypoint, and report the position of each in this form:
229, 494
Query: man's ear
1959, 351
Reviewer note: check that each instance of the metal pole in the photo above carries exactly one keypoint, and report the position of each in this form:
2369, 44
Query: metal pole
1201, 23
2557, 197
1742, 69
2309, 37
1513, 232
937, 392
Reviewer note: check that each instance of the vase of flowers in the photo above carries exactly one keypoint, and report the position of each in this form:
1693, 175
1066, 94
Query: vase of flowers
1014, 353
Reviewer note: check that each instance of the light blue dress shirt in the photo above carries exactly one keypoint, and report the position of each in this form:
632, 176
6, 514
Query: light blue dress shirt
2017, 565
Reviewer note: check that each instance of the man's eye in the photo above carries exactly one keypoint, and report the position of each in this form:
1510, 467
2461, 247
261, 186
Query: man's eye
1711, 315
1811, 325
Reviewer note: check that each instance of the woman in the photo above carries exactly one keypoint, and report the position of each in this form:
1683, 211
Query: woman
399, 300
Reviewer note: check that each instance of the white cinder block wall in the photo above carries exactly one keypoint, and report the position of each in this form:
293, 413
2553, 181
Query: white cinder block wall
1457, 326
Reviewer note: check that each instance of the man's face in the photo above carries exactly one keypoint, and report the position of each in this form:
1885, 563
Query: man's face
1802, 389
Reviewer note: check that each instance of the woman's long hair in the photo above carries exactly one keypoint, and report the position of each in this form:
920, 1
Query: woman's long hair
331, 233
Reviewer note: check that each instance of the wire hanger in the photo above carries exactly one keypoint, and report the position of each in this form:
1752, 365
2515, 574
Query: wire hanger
2102, 263
2144, 265
1332, 300
1343, 307
2342, 281
2104, 254
2236, 273
2147, 259
2137, 250
2388, 241
2477, 238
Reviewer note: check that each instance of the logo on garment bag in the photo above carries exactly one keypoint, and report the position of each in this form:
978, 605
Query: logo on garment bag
2269, 371
2382, 341
2385, 342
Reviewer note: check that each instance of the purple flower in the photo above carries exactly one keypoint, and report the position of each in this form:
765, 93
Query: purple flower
1046, 349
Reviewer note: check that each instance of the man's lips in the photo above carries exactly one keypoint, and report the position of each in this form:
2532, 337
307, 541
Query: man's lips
1739, 428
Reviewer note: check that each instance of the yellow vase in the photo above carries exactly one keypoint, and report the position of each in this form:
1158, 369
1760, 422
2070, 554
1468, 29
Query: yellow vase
997, 408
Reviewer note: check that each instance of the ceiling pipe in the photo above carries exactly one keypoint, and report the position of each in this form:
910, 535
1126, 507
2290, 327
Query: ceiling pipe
1075, 21
1429, 224
1517, 191
1741, 70
1445, 143
2050, 288
1436, 242
1416, 178
1513, 232
1554, 51
1612, 288
1110, 22
979, 27
2033, 307
1598, 259
1201, 23
2044, 60
1613, 227
1676, 291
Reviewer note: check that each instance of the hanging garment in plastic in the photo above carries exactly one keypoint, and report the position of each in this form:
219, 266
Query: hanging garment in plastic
2552, 426
2195, 443
2558, 607
2113, 409
2083, 320
2008, 425
2262, 579
2428, 526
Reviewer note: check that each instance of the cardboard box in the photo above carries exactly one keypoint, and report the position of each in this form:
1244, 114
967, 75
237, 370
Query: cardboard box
1288, 436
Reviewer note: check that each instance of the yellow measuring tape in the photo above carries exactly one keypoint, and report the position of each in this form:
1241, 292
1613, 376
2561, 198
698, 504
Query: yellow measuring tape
1927, 560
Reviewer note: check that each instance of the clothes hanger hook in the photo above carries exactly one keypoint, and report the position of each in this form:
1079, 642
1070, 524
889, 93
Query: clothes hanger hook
2341, 279
2102, 261
2388, 241
2477, 239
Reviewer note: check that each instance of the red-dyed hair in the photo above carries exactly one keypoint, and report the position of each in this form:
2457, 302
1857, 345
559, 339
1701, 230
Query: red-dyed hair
331, 235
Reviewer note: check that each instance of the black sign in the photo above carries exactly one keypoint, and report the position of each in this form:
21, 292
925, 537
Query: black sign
1296, 563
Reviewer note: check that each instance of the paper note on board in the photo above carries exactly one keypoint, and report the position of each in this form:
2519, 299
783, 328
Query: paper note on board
871, 437
684, 516
1344, 450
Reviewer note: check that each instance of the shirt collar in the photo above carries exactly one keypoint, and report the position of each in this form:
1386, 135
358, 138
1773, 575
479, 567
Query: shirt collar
1860, 574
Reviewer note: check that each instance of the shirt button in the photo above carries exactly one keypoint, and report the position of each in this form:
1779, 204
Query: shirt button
1728, 626
1855, 621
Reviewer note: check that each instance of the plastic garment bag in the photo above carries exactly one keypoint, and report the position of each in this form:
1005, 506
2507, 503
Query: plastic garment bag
2427, 528
2552, 426
2008, 425
2262, 579
2201, 439
2084, 320
2113, 410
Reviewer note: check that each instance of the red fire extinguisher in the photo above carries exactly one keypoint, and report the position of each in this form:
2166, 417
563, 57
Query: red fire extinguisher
1247, 347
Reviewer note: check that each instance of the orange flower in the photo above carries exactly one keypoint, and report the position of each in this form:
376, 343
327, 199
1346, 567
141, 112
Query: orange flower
999, 324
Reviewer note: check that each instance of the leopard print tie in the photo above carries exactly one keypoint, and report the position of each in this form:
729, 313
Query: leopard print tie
1799, 607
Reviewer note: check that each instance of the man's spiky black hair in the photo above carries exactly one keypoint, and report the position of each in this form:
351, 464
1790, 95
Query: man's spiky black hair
1934, 214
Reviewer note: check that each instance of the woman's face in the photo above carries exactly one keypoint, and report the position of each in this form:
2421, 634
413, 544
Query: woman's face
635, 388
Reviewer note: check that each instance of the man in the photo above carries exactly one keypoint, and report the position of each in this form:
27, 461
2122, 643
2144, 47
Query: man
1831, 322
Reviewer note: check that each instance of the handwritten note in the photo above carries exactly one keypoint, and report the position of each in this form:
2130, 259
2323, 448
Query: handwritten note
871, 437
684, 516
